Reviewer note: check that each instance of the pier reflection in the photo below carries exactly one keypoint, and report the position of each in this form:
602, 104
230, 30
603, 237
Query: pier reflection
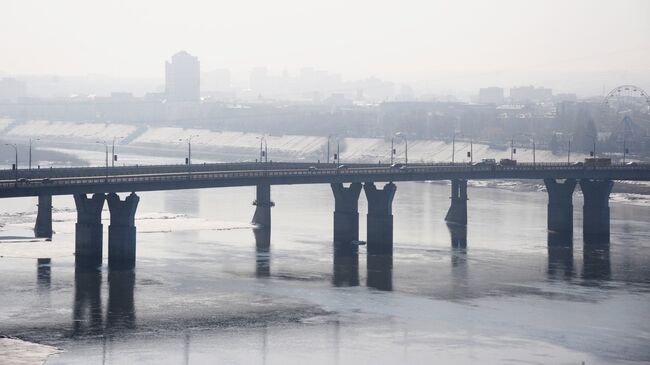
262, 252
380, 272
121, 305
560, 256
459, 276
43, 273
87, 309
596, 264
346, 265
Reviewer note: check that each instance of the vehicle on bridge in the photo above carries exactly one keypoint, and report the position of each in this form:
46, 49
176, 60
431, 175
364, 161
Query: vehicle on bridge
487, 162
507, 162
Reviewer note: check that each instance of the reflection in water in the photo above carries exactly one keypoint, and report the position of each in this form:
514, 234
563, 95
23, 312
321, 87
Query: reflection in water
87, 310
380, 272
596, 264
262, 252
121, 308
43, 273
560, 256
346, 265
458, 234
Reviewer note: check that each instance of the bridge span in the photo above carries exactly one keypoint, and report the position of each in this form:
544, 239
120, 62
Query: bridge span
596, 183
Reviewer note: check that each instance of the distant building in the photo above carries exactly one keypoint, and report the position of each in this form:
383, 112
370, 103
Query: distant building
11, 89
527, 94
182, 78
490, 95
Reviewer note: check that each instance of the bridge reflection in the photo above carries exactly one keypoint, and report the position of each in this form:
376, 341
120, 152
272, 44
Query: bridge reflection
87, 310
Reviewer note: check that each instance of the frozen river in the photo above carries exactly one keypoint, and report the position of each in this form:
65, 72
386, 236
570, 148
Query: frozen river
202, 293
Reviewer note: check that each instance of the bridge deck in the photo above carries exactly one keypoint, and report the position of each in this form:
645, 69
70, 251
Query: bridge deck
273, 175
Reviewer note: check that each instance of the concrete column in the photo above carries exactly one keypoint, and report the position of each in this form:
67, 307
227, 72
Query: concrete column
596, 206
43, 226
458, 210
263, 204
346, 212
121, 232
88, 230
560, 205
380, 218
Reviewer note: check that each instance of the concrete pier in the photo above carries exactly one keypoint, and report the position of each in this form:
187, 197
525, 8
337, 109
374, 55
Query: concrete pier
457, 213
380, 218
43, 226
346, 212
346, 266
263, 204
89, 230
122, 231
560, 205
596, 206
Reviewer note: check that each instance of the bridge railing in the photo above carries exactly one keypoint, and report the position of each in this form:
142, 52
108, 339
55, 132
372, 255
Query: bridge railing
260, 173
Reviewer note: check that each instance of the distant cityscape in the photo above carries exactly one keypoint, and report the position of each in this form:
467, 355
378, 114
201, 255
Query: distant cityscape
320, 103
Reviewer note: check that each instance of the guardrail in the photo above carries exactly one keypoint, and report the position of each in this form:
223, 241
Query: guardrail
288, 173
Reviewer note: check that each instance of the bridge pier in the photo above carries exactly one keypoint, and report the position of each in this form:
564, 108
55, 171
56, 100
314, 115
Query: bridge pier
560, 205
263, 204
380, 272
346, 213
457, 213
380, 218
89, 230
596, 206
122, 231
43, 226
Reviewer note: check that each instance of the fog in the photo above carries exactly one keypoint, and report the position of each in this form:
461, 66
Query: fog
446, 47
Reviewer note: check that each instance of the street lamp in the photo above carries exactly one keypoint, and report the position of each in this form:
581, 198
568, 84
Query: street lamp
30, 151
189, 149
406, 146
113, 156
264, 153
16, 163
593, 151
328, 148
106, 148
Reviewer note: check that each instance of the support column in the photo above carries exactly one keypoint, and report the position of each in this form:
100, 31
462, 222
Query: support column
121, 232
43, 226
458, 210
263, 204
346, 212
560, 205
380, 218
596, 206
88, 230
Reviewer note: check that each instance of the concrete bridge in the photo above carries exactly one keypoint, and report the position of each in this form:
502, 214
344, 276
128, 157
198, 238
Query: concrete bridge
104, 183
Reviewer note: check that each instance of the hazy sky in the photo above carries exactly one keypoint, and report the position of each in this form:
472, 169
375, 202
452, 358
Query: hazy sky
398, 40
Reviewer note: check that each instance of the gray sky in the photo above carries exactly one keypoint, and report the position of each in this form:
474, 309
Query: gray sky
398, 40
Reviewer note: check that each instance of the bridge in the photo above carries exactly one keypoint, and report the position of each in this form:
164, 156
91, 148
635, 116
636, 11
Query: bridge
104, 183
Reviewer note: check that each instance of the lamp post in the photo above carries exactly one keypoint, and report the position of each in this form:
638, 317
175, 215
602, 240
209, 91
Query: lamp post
338, 151
328, 148
264, 155
406, 146
30, 151
593, 151
392, 149
16, 163
189, 149
568, 156
471, 151
113, 151
106, 148
624, 147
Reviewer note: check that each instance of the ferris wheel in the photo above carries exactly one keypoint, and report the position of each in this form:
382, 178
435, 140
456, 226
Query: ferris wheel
628, 98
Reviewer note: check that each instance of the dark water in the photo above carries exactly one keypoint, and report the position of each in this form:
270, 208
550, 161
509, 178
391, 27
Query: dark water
209, 289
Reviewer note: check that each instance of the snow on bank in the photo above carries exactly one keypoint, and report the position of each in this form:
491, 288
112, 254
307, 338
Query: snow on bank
281, 147
18, 352
292, 145
90, 131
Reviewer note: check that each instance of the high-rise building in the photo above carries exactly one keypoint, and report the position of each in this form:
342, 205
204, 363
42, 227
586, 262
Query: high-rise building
490, 95
182, 78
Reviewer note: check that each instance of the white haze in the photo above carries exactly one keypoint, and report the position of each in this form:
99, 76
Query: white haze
568, 45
